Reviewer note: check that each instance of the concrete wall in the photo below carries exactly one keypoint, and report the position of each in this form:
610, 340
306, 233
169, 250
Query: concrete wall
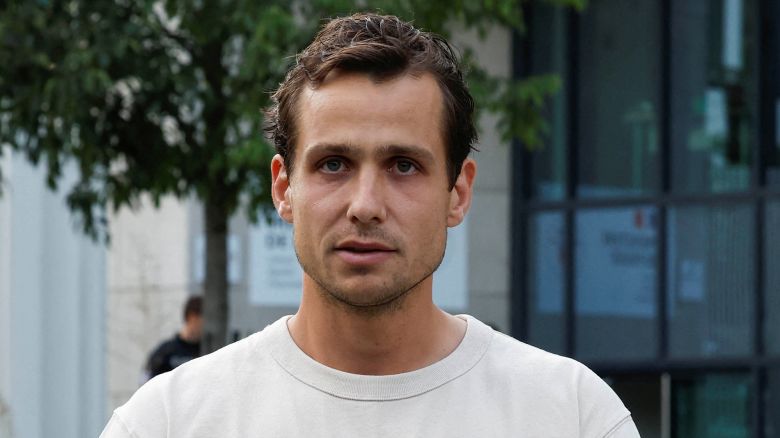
51, 312
5, 300
148, 282
489, 218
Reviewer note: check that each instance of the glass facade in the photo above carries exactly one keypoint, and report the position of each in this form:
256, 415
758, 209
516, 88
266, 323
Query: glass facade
770, 91
651, 221
546, 272
710, 281
615, 282
618, 93
772, 279
713, 106
712, 405
549, 55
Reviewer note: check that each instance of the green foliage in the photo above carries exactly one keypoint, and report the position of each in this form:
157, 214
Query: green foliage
163, 97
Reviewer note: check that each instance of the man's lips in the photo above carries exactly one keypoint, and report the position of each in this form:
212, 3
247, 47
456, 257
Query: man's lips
363, 253
358, 246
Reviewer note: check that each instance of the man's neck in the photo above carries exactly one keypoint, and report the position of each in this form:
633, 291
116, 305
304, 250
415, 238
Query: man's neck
413, 336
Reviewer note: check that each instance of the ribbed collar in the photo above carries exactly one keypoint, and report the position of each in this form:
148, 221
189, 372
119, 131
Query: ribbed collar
378, 388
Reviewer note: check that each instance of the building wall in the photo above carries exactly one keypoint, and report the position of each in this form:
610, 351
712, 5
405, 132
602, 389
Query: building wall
51, 311
5, 301
148, 275
489, 234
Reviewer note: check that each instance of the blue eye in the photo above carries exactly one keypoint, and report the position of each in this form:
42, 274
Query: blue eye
333, 165
405, 166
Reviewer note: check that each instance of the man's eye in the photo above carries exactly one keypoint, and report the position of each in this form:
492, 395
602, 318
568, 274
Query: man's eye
405, 166
333, 165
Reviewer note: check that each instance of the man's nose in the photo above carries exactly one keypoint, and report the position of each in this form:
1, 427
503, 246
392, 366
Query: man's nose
367, 204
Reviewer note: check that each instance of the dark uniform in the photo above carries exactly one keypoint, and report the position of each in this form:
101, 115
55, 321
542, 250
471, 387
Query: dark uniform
171, 354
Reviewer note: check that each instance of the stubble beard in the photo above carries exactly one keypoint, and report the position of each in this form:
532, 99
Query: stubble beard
387, 298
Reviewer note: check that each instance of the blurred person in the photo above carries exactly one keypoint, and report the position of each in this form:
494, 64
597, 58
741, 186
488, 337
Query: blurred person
373, 127
183, 346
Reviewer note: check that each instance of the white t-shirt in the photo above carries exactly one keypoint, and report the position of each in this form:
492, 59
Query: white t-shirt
265, 386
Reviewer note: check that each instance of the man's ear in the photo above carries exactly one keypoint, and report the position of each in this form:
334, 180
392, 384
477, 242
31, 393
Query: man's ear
460, 195
280, 188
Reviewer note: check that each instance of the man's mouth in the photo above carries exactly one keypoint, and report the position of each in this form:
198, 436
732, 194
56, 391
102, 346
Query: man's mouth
363, 253
361, 247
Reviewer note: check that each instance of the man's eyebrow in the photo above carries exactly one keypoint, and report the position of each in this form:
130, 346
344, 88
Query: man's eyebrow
412, 151
330, 148
390, 150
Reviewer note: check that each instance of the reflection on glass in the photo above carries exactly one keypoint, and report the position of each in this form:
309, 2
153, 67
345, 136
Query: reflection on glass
615, 283
548, 55
546, 271
772, 277
712, 405
710, 276
713, 95
619, 89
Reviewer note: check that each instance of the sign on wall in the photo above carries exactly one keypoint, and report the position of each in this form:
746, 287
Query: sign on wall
615, 270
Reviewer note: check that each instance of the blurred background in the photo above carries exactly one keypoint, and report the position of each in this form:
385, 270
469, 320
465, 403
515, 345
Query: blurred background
627, 206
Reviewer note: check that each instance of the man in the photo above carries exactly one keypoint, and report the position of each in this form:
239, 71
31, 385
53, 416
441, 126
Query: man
373, 127
182, 347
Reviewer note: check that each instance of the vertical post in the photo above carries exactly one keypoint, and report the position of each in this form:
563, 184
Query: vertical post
519, 192
572, 167
666, 405
665, 179
215, 296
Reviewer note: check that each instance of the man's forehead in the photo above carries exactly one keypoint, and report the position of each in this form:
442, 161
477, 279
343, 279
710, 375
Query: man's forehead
405, 85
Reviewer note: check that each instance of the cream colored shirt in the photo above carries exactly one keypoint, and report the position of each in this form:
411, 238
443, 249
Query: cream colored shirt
264, 386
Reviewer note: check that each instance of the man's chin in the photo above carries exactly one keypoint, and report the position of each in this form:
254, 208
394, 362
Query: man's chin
358, 300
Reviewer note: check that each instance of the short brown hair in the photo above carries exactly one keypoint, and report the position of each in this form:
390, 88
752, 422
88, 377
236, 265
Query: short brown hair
383, 47
193, 306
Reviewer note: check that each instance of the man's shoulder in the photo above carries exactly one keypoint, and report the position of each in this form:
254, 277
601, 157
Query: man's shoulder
216, 381
246, 352
217, 367
510, 357
534, 380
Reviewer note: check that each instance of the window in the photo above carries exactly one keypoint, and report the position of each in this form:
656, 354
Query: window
546, 270
714, 97
710, 281
772, 278
618, 92
550, 55
615, 277
712, 405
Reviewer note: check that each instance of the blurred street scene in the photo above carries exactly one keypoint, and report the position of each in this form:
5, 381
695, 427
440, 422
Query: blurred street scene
627, 210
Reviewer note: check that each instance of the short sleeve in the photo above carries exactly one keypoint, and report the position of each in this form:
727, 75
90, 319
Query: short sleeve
116, 428
601, 410
625, 429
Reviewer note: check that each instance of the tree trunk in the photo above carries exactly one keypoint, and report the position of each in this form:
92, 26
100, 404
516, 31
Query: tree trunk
215, 296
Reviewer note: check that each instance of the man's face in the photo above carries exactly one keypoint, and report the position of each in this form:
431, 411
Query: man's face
369, 198
195, 324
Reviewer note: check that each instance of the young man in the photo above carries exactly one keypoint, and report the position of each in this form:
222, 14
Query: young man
182, 347
373, 127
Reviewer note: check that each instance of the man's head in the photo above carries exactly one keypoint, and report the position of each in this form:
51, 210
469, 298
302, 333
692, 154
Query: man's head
374, 186
193, 318
381, 47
